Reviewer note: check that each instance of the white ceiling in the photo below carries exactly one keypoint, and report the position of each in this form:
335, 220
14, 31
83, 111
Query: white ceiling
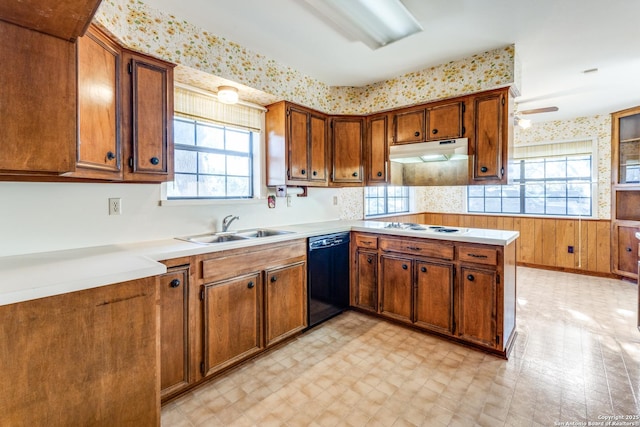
555, 40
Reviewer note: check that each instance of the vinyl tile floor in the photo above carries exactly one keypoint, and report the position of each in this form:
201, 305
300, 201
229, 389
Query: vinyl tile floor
576, 362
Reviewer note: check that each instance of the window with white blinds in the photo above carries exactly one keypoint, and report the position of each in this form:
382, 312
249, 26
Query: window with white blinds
557, 179
214, 147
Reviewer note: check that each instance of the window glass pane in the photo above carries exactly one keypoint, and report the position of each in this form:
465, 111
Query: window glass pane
511, 191
212, 186
534, 205
237, 186
476, 205
237, 141
475, 191
210, 136
578, 168
556, 168
386, 200
237, 165
533, 169
183, 186
579, 206
556, 190
492, 204
511, 205
186, 161
184, 132
556, 206
514, 170
211, 163
493, 191
579, 189
534, 190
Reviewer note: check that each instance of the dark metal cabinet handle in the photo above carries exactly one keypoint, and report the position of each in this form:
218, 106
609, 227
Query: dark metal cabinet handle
476, 256
416, 134
629, 249
423, 269
303, 172
483, 169
250, 285
355, 174
470, 277
110, 155
435, 131
379, 174
273, 279
174, 283
413, 248
154, 161
369, 260
404, 266
315, 173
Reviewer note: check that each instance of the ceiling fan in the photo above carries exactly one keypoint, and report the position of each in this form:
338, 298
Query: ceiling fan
525, 123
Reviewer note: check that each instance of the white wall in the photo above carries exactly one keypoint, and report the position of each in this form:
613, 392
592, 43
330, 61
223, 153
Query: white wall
39, 217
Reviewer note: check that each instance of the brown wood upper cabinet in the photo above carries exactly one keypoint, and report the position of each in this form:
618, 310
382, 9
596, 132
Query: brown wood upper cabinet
38, 107
429, 122
347, 137
296, 146
125, 113
376, 149
490, 136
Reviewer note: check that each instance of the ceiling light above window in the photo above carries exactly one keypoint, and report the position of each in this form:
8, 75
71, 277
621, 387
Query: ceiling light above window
227, 94
374, 22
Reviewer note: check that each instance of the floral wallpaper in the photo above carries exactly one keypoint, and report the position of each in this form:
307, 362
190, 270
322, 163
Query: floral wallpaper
207, 61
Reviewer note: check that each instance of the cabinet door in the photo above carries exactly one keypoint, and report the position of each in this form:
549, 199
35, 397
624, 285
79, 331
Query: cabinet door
232, 321
445, 121
626, 251
38, 101
376, 164
489, 138
318, 148
433, 306
286, 301
174, 331
149, 119
366, 286
477, 315
298, 144
98, 154
396, 276
347, 150
409, 127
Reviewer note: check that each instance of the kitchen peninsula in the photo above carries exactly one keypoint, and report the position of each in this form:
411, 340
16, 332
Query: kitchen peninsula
63, 310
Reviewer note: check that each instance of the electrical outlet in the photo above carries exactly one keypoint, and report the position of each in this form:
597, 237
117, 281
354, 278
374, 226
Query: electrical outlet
570, 249
115, 206
335, 200
288, 201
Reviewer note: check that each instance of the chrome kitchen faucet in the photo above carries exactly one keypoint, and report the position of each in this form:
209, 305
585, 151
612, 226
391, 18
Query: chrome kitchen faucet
226, 222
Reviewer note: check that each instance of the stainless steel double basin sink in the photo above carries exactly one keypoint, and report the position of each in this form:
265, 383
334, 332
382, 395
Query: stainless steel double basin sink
229, 236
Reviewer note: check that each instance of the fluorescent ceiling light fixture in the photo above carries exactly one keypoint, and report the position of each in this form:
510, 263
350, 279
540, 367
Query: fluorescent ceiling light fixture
374, 22
227, 94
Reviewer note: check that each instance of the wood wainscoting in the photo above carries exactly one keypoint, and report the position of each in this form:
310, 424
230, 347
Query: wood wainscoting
543, 242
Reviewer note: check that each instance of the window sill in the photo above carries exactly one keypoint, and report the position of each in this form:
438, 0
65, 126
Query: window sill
207, 202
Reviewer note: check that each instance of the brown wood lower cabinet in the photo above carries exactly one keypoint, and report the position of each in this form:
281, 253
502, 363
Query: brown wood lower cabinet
82, 358
285, 301
232, 321
463, 291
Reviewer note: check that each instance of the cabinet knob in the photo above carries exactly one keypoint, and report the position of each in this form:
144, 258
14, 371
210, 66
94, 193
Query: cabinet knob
355, 174
423, 269
174, 283
315, 173
629, 249
110, 155
273, 279
405, 266
303, 172
369, 259
435, 131
470, 277
416, 134
483, 169
250, 285
379, 174
154, 161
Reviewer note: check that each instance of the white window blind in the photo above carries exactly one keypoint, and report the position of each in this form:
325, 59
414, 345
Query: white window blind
555, 149
197, 106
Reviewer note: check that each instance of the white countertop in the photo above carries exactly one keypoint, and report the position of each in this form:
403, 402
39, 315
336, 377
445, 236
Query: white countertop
39, 275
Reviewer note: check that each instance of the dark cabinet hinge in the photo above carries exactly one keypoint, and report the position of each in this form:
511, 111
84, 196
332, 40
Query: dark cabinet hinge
503, 100
131, 162
501, 171
202, 368
497, 339
464, 108
202, 294
130, 68
498, 279
464, 130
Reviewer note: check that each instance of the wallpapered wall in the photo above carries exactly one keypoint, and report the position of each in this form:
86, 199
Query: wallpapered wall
207, 60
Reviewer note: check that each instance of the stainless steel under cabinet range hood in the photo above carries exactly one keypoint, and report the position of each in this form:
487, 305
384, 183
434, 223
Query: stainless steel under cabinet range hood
430, 163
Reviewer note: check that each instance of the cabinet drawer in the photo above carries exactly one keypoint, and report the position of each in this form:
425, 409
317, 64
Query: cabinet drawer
425, 248
370, 242
487, 256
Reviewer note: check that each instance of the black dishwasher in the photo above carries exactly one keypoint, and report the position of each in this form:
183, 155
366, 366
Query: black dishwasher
328, 278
